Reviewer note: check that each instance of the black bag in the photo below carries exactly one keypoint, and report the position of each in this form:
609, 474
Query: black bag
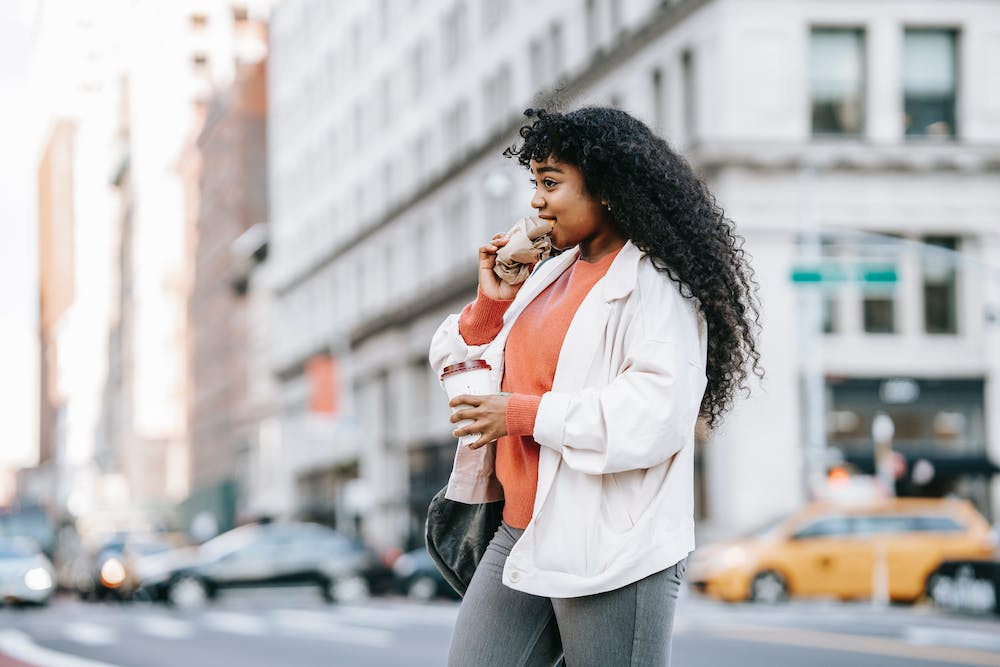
457, 536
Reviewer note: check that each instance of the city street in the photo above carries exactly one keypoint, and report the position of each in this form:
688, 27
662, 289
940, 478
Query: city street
295, 628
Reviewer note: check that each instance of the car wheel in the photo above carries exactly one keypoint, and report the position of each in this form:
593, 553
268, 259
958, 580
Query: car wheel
347, 589
768, 587
422, 588
188, 593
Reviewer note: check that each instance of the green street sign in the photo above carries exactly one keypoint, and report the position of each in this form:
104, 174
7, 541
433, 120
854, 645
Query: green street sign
842, 272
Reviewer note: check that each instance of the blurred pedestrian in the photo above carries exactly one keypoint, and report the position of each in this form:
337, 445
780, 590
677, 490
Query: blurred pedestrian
603, 361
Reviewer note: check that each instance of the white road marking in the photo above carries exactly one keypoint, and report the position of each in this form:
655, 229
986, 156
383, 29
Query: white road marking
21, 646
928, 636
395, 616
854, 643
239, 624
164, 627
90, 634
312, 625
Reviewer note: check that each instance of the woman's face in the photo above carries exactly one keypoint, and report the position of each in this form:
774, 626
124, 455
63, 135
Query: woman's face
561, 196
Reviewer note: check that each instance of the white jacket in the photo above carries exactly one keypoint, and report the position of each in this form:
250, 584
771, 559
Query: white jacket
614, 501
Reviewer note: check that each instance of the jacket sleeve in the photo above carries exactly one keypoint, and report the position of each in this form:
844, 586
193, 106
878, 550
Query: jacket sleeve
448, 347
639, 420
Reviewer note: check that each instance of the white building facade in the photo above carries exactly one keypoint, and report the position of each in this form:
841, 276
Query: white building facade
386, 130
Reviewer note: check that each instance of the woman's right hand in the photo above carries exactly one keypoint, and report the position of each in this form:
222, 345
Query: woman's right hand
489, 283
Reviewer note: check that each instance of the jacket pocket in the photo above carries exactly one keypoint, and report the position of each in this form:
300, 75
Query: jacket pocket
616, 503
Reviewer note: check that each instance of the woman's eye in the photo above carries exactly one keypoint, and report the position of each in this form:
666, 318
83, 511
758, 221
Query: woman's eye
548, 182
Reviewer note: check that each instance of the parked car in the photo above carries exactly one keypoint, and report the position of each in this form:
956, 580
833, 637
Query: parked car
419, 578
288, 554
971, 585
26, 574
842, 551
31, 521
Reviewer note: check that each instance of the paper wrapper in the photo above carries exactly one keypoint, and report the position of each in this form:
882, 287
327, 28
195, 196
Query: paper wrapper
528, 243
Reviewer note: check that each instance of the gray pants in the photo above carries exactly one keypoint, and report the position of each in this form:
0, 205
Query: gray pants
500, 627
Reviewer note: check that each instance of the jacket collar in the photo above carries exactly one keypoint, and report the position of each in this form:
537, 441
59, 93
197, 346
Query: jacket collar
619, 281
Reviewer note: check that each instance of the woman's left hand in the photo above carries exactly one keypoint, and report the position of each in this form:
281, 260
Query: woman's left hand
488, 413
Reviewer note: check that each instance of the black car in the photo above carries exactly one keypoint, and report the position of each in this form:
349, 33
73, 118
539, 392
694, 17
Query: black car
107, 571
269, 555
419, 578
966, 585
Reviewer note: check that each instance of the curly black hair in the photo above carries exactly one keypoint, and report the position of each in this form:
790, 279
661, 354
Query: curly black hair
659, 203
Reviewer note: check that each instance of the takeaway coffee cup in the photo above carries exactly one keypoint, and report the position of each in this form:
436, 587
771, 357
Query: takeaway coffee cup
468, 377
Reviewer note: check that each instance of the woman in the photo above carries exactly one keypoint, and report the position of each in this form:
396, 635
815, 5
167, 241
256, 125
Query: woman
604, 358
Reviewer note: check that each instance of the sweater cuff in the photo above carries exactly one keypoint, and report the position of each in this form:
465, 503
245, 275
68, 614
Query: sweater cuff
521, 411
482, 319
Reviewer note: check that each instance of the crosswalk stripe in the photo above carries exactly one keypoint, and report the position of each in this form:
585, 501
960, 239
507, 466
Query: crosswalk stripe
239, 624
164, 627
314, 626
90, 634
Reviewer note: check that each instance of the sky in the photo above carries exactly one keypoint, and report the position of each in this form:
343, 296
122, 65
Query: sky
18, 246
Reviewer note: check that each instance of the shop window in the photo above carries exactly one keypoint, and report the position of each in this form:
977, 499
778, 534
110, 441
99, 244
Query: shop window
929, 82
837, 81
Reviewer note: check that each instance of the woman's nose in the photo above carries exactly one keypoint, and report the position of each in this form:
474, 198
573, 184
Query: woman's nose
537, 201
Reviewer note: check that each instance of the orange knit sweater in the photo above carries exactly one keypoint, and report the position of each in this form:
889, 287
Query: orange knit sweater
530, 359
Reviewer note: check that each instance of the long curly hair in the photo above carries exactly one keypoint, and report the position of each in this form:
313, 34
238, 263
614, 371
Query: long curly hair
659, 203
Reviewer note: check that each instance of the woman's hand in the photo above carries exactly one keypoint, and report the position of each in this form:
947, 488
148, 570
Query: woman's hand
489, 283
488, 414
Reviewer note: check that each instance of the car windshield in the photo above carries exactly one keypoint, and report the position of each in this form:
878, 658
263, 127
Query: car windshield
11, 549
234, 540
766, 528
26, 523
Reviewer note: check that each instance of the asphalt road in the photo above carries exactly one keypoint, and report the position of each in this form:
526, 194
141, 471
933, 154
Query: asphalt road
293, 628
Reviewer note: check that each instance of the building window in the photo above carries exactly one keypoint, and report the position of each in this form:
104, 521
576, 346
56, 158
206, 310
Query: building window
879, 312
837, 81
940, 293
496, 96
593, 27
385, 102
555, 50
659, 113
384, 18
418, 69
422, 159
616, 17
536, 64
879, 301
457, 124
690, 93
454, 35
493, 14
929, 82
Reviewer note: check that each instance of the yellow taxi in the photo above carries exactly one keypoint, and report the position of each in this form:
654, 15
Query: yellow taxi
888, 546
